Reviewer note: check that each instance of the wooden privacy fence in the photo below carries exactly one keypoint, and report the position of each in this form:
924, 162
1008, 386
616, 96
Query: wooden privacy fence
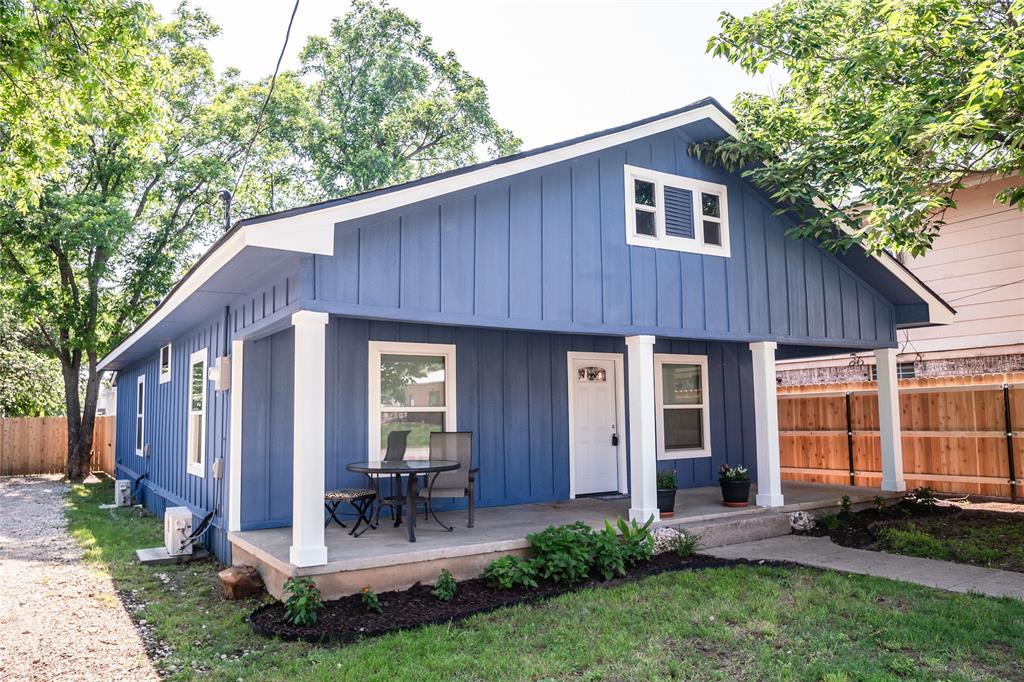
955, 433
39, 445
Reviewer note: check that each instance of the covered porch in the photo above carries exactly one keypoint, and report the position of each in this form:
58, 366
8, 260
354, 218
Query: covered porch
384, 559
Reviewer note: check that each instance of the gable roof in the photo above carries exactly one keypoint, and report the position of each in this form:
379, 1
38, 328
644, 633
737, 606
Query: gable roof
276, 239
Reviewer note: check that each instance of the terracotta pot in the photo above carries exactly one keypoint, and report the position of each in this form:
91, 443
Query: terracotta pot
735, 493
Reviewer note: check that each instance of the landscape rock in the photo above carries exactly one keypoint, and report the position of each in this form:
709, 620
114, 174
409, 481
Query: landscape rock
240, 581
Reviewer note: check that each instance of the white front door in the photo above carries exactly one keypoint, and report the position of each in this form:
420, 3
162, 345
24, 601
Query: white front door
595, 432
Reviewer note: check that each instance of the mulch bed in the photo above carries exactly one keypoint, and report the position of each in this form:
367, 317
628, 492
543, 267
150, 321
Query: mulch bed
347, 619
860, 529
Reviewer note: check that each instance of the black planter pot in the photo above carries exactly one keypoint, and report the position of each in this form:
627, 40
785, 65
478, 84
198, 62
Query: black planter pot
667, 501
735, 493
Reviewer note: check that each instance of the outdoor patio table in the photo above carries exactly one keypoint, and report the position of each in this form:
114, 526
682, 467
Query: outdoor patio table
410, 468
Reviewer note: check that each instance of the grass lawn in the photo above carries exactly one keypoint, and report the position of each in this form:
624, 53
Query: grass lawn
746, 623
991, 539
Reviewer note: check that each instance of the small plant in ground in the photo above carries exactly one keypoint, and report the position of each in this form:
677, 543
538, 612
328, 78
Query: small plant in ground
304, 602
370, 600
727, 472
831, 521
666, 479
637, 541
846, 506
922, 497
444, 588
563, 552
608, 553
686, 545
511, 571
879, 503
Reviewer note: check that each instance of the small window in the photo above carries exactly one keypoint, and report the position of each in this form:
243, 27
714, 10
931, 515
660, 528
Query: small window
140, 416
412, 388
165, 364
197, 413
666, 211
681, 386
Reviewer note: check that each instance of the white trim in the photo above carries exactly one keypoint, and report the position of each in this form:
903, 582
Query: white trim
620, 415
662, 240
197, 468
643, 459
235, 445
661, 359
140, 416
766, 424
165, 375
378, 348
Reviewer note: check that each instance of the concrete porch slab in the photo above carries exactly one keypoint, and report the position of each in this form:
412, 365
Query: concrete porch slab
384, 559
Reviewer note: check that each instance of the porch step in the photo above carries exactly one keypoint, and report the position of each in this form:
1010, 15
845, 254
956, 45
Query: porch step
730, 531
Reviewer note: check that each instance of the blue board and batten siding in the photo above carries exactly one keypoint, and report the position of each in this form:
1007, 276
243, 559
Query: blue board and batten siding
512, 393
546, 251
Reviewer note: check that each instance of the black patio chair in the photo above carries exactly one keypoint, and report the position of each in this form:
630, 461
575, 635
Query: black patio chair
395, 452
455, 446
360, 498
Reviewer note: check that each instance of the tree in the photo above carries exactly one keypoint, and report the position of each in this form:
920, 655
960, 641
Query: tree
58, 60
889, 106
29, 381
388, 107
108, 235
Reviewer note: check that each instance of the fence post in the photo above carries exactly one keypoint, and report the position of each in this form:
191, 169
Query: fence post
849, 438
1009, 442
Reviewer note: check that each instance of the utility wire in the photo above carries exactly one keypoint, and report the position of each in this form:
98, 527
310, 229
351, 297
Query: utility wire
985, 291
266, 101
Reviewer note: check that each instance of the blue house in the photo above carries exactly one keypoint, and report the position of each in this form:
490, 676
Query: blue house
592, 311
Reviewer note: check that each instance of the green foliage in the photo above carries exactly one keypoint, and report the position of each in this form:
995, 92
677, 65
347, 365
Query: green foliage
444, 588
889, 106
511, 571
637, 541
666, 479
728, 472
879, 503
922, 497
831, 521
388, 107
608, 553
370, 599
30, 383
563, 553
686, 544
304, 602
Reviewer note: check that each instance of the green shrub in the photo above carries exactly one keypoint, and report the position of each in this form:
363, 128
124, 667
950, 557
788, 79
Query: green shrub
922, 497
879, 503
304, 603
608, 553
511, 571
686, 545
370, 600
846, 506
666, 479
830, 521
637, 541
563, 553
444, 588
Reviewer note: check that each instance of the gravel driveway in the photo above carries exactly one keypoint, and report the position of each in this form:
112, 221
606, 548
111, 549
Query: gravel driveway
59, 618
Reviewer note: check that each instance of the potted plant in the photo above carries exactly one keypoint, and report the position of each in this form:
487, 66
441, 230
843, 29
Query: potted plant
735, 485
666, 492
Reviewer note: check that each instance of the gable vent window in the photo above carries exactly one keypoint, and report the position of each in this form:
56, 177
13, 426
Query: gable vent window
666, 211
165, 364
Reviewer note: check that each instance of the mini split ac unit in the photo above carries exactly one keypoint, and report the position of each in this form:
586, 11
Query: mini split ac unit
122, 492
177, 528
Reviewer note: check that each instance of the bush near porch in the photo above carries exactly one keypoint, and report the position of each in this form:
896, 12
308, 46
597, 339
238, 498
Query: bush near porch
750, 622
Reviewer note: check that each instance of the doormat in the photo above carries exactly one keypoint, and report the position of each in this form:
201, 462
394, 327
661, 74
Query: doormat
612, 496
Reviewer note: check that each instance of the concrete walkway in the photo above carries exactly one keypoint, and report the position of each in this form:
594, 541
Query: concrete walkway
823, 553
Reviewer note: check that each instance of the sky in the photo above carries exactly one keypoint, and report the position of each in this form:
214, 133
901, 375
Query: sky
554, 69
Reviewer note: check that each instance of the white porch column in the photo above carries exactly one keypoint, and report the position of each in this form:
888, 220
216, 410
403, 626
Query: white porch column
308, 548
766, 420
889, 421
235, 444
643, 456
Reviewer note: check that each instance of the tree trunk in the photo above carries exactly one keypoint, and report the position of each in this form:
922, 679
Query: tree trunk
81, 418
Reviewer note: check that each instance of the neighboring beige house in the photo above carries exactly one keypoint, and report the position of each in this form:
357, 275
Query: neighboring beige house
977, 266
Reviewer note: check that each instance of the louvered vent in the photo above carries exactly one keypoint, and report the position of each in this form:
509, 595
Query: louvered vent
678, 212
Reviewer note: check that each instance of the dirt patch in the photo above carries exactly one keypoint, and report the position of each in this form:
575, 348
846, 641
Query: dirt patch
988, 534
347, 619
59, 617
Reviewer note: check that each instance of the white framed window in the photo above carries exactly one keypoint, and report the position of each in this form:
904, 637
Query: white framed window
681, 399
904, 370
165, 364
140, 416
412, 388
196, 443
666, 211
